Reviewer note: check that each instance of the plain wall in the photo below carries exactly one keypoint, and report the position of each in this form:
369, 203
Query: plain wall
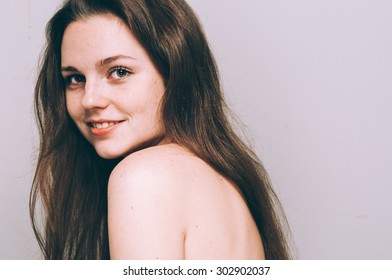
22, 24
310, 79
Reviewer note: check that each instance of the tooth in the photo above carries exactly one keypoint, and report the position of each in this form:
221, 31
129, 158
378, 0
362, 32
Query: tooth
103, 125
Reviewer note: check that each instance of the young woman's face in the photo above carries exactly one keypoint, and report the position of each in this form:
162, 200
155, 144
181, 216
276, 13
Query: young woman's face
113, 90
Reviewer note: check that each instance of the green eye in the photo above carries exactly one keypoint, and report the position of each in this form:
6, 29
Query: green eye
122, 72
119, 72
74, 79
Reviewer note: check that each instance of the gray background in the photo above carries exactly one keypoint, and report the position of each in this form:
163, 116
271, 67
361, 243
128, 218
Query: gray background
310, 79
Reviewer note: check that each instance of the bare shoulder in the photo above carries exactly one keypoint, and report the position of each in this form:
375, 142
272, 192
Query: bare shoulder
160, 161
169, 168
166, 203
146, 203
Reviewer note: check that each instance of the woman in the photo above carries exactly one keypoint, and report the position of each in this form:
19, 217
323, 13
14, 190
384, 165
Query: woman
137, 157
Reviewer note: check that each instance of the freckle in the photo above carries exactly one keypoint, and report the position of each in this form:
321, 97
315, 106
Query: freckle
157, 258
131, 207
196, 226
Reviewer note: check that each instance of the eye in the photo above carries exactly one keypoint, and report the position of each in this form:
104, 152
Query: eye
73, 80
119, 72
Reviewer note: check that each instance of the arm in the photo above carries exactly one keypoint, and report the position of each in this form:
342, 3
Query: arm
145, 211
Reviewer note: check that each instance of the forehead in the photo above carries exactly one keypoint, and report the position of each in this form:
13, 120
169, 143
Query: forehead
97, 37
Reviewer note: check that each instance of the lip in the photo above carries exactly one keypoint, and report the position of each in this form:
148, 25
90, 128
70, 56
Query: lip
102, 131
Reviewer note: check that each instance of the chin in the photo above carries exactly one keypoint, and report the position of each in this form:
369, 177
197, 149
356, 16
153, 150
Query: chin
108, 153
112, 153
111, 150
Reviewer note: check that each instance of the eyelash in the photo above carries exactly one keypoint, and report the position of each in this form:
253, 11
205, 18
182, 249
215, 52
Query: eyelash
119, 68
68, 79
69, 82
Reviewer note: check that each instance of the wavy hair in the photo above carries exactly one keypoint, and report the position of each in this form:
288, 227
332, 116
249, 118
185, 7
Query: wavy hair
71, 179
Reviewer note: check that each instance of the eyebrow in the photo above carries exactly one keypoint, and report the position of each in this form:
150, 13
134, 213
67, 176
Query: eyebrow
99, 64
108, 60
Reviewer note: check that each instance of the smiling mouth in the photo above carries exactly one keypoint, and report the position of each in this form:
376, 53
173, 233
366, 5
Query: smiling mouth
102, 125
99, 129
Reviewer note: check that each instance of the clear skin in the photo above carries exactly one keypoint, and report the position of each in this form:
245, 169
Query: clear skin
163, 202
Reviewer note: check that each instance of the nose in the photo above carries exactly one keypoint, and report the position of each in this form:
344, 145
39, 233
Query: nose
94, 95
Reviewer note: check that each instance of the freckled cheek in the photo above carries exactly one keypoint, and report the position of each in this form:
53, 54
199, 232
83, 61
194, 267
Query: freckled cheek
73, 108
145, 114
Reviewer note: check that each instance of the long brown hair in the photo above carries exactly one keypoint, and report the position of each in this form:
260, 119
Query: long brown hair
71, 179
